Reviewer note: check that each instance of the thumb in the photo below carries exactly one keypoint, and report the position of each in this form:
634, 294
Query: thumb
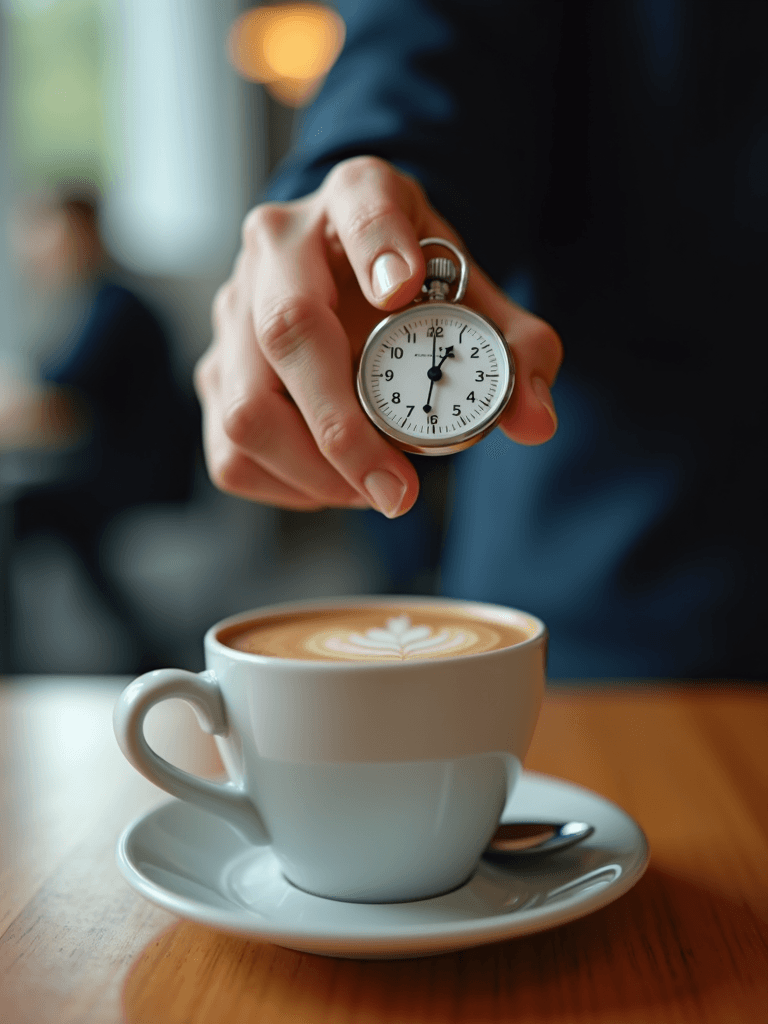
530, 417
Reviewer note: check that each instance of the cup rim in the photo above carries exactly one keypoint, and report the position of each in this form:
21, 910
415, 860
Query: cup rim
213, 644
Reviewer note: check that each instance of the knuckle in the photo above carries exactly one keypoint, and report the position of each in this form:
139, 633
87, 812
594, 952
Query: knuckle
246, 421
367, 218
265, 220
229, 471
352, 174
349, 173
334, 434
284, 326
413, 187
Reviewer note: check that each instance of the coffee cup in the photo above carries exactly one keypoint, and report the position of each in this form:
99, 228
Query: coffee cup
372, 742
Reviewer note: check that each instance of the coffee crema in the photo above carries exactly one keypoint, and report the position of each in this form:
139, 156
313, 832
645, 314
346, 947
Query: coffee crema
395, 632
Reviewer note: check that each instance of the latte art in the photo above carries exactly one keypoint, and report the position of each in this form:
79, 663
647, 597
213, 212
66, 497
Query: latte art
400, 639
374, 633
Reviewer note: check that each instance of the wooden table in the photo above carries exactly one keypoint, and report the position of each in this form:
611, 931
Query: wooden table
688, 944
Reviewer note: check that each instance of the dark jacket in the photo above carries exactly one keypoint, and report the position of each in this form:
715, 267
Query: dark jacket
608, 163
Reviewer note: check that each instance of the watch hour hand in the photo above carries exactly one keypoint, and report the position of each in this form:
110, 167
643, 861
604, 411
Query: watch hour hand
448, 353
434, 372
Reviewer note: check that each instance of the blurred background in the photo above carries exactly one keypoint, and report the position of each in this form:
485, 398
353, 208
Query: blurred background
134, 136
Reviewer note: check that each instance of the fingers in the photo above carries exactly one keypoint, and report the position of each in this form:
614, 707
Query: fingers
530, 417
258, 418
372, 209
306, 346
234, 470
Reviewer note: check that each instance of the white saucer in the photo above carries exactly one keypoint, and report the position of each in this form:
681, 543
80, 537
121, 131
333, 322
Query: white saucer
196, 866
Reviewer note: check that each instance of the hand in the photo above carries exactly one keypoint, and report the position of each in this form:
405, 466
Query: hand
282, 424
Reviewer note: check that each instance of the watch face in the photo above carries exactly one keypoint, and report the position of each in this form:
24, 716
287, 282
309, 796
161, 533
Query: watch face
435, 376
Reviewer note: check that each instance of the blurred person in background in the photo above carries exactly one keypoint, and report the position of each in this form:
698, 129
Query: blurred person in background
607, 164
107, 399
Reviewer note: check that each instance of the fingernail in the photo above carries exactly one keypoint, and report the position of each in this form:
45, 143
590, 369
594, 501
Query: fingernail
386, 491
389, 272
542, 392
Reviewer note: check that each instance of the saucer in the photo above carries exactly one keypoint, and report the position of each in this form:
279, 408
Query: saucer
197, 866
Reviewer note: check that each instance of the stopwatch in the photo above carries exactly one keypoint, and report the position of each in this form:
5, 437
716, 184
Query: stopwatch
436, 376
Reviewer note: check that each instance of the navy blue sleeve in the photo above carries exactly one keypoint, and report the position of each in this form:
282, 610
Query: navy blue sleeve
453, 93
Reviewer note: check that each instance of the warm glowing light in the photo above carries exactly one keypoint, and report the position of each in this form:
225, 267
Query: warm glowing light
288, 47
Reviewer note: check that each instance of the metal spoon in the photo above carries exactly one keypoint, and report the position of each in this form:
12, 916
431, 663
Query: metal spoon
534, 838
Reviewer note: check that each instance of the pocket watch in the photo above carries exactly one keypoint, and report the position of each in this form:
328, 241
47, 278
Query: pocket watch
436, 376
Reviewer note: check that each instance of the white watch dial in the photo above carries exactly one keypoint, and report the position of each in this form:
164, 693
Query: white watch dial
435, 376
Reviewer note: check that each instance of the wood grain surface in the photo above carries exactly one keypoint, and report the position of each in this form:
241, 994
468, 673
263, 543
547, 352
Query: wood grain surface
688, 944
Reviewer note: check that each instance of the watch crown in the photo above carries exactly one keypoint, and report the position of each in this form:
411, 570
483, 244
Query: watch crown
441, 273
441, 269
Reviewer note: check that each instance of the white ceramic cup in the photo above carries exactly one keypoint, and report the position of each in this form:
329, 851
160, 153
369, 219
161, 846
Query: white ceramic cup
373, 781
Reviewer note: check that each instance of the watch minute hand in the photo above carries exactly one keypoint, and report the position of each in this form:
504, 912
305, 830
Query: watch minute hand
435, 373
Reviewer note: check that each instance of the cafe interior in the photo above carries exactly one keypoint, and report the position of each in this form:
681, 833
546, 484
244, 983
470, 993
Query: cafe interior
105, 100
135, 135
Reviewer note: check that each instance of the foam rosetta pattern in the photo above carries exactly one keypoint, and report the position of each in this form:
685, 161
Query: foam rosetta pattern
366, 633
399, 640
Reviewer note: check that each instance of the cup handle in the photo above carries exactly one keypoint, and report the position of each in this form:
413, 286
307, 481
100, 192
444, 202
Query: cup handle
226, 800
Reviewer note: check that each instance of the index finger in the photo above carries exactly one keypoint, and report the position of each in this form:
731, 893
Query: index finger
306, 345
374, 209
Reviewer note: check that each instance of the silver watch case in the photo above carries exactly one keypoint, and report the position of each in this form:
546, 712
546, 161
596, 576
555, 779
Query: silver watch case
406, 441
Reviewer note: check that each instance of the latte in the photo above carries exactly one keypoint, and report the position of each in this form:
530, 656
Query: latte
396, 631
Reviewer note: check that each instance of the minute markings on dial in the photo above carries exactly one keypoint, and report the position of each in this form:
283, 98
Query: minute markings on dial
449, 399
